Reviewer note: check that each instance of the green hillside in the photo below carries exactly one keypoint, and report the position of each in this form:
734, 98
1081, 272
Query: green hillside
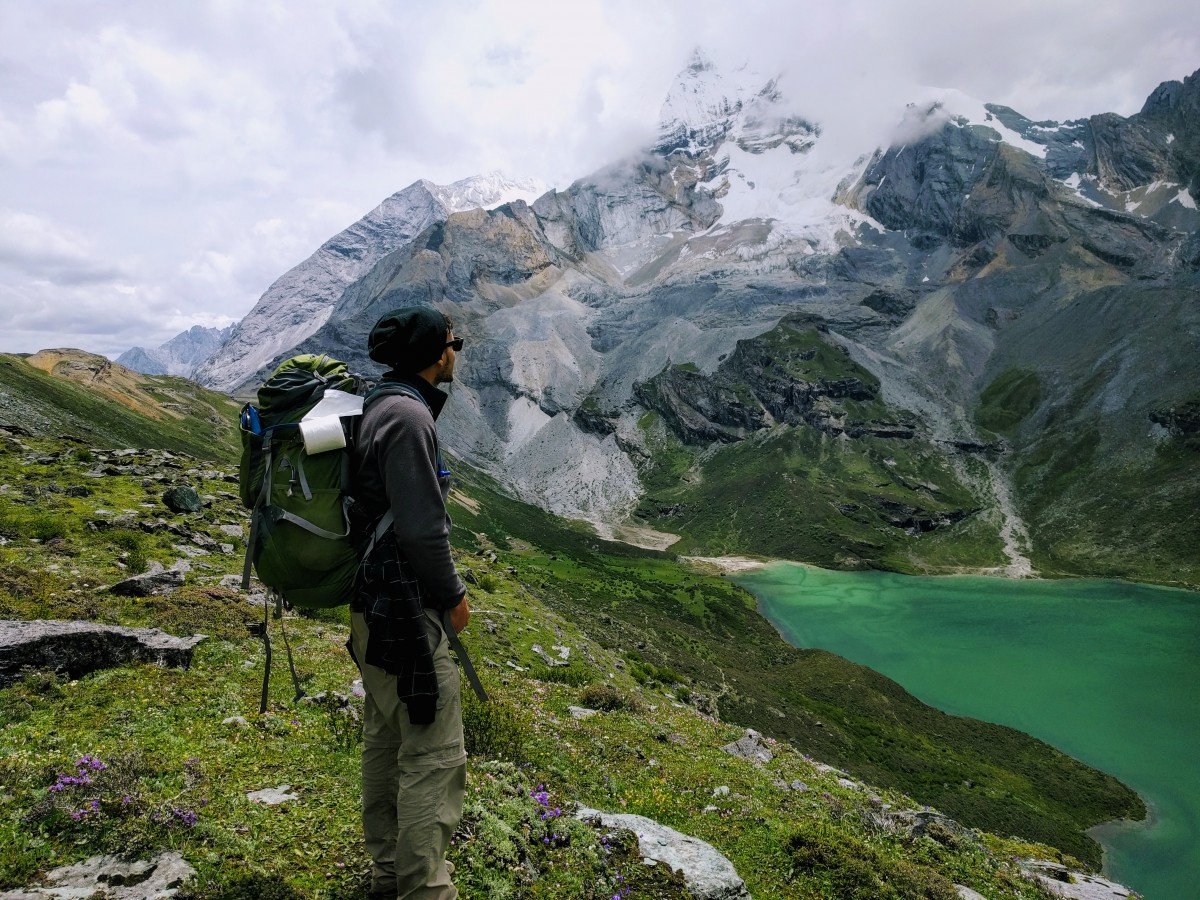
677, 661
811, 464
160, 410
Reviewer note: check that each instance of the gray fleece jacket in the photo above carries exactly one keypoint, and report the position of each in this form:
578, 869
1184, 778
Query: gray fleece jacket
396, 464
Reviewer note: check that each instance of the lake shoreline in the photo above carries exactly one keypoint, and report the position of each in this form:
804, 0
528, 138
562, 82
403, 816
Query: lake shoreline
1134, 851
1113, 827
728, 565
738, 564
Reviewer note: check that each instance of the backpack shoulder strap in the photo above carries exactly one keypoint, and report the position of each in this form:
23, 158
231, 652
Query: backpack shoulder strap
399, 388
393, 389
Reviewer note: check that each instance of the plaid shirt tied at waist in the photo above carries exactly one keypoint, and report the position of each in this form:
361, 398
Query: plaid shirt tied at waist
390, 598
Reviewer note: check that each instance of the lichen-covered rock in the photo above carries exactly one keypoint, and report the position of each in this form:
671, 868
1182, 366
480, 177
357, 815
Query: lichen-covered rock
1060, 880
922, 823
156, 580
751, 746
111, 878
709, 875
273, 796
182, 499
77, 648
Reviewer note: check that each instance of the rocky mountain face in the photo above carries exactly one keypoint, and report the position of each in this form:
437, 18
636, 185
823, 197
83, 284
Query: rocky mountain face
612, 329
181, 355
301, 300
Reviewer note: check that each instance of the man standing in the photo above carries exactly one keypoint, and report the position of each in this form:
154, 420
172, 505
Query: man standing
414, 758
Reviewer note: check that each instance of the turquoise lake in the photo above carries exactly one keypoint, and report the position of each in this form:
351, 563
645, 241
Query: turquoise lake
1107, 671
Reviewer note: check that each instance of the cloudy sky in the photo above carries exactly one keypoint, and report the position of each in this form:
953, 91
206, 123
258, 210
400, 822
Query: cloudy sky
161, 163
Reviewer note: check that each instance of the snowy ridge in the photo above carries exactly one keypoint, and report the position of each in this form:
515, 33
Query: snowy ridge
301, 300
764, 161
700, 106
942, 105
484, 191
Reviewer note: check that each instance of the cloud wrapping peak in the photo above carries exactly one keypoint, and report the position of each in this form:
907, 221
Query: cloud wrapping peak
161, 164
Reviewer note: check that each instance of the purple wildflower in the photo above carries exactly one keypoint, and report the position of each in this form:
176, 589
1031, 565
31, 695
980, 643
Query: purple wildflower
541, 795
185, 817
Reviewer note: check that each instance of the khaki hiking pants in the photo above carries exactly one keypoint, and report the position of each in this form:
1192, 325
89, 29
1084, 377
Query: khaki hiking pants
413, 776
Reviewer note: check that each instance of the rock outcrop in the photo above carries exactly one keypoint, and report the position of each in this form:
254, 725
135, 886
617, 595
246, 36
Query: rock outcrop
111, 878
752, 746
709, 875
1063, 882
156, 580
77, 648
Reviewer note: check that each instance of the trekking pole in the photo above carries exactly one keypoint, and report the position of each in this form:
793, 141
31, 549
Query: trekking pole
291, 663
257, 630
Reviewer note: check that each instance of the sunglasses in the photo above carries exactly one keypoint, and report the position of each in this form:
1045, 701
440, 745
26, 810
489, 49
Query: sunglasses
457, 344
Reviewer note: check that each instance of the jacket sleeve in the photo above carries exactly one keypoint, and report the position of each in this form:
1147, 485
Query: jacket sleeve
407, 449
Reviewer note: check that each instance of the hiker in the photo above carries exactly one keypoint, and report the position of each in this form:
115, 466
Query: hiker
409, 594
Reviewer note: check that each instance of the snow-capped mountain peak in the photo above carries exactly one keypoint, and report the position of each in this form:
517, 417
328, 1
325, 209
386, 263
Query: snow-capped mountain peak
484, 191
704, 103
302, 299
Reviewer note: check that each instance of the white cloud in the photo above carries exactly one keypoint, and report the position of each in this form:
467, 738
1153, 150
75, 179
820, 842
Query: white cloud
33, 247
174, 159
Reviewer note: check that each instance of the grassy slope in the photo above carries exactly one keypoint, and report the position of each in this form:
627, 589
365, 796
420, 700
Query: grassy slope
1102, 494
1096, 508
709, 634
160, 731
795, 492
185, 416
638, 616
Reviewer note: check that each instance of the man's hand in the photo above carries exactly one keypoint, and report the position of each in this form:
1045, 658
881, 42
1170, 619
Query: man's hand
460, 616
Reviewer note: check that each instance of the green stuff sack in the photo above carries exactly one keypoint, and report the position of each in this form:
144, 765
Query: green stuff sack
300, 540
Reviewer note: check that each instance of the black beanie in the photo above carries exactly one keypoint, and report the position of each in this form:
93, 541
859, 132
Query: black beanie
408, 339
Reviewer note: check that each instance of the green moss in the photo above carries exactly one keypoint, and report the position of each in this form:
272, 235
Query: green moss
1008, 400
855, 870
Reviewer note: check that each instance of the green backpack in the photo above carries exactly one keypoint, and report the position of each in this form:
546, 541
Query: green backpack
300, 540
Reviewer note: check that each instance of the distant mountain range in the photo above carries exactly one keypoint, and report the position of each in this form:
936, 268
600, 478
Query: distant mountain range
181, 355
971, 349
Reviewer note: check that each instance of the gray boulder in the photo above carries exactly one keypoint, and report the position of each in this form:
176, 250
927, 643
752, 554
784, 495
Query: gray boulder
111, 878
751, 746
1060, 880
182, 499
77, 648
923, 823
272, 796
708, 874
155, 580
